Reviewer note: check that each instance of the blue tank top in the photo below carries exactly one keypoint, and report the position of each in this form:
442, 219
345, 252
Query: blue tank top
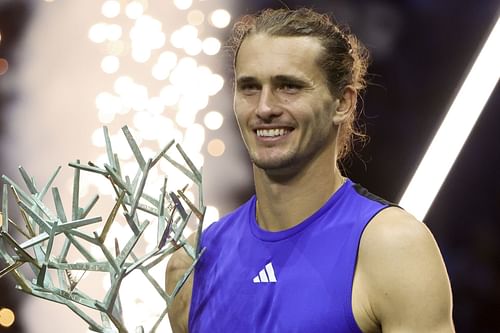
295, 280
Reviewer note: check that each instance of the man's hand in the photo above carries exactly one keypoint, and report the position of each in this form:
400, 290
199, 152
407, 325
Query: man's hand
178, 311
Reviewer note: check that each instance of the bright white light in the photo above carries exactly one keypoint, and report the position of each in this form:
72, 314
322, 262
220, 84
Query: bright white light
195, 17
183, 36
145, 123
220, 18
216, 84
194, 137
97, 138
211, 215
170, 95
185, 118
193, 100
123, 84
102, 100
141, 55
110, 8
160, 72
98, 32
183, 74
105, 116
168, 59
183, 4
193, 47
136, 97
114, 32
110, 64
455, 128
177, 39
213, 120
155, 106
134, 10
211, 46
146, 35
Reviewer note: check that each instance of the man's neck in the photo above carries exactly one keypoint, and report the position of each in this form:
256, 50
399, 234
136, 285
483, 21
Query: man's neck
287, 201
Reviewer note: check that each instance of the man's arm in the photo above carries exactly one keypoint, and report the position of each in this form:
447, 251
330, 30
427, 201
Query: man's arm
407, 283
178, 311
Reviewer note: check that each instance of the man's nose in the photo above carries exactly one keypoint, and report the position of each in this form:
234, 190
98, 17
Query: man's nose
268, 106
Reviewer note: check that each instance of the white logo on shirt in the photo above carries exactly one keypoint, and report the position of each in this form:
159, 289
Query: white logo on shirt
266, 275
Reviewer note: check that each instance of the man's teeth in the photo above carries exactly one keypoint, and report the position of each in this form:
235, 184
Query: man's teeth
272, 132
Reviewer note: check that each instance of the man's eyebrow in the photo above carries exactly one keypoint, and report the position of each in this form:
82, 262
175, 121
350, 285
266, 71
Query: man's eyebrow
246, 79
289, 79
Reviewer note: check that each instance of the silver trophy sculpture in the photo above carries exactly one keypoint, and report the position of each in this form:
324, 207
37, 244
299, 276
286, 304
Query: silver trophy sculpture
52, 277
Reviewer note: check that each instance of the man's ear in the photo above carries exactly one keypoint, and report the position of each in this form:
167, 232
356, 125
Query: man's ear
346, 105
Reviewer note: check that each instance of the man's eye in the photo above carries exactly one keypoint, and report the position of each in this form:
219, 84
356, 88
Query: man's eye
249, 88
290, 88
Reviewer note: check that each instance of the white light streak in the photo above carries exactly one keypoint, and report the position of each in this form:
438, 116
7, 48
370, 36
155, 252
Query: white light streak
220, 18
455, 128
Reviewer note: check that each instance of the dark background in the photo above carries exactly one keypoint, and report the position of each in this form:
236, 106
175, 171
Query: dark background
421, 52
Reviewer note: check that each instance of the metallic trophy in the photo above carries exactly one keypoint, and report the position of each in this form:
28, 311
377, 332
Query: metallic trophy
50, 276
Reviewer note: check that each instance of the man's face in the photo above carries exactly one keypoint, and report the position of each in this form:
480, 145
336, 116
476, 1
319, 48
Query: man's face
282, 102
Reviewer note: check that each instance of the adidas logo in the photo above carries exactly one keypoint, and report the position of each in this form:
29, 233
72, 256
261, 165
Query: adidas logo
266, 275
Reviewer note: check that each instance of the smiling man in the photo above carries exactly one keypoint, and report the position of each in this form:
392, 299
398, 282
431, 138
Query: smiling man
311, 251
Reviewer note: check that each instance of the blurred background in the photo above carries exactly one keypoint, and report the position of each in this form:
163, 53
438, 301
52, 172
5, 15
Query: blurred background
159, 66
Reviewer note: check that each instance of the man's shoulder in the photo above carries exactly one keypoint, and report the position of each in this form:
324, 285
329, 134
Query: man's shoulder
403, 269
394, 229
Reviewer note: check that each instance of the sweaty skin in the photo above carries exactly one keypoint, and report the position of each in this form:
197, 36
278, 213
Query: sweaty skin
289, 121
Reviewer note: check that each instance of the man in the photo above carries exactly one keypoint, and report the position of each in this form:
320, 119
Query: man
311, 251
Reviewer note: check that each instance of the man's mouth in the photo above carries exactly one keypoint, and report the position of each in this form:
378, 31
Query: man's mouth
272, 132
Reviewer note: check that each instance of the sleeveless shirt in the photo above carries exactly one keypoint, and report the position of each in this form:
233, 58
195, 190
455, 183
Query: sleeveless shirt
295, 280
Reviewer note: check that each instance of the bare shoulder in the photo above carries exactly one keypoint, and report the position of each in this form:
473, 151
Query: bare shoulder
407, 282
178, 311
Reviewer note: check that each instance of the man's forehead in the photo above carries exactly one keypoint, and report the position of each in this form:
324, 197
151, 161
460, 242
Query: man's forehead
262, 42
277, 55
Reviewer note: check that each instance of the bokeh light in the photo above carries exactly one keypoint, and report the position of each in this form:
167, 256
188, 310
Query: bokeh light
163, 105
98, 32
211, 46
216, 147
111, 8
4, 66
183, 4
195, 17
110, 64
213, 120
220, 18
7, 317
134, 10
